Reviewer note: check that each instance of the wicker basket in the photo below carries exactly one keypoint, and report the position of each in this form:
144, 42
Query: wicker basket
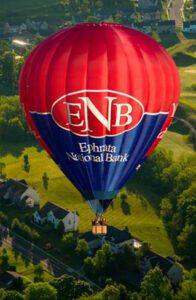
99, 229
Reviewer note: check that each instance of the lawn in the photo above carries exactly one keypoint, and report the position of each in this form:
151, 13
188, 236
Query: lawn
138, 214
24, 267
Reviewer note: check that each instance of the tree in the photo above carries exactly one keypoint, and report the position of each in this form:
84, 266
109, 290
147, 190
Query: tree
3, 218
64, 286
12, 295
15, 226
2, 167
187, 290
81, 287
155, 286
8, 64
38, 273
60, 228
26, 163
166, 209
89, 266
110, 293
4, 260
82, 247
186, 241
69, 241
45, 180
40, 291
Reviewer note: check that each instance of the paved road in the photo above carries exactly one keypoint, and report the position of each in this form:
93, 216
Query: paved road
38, 255
175, 11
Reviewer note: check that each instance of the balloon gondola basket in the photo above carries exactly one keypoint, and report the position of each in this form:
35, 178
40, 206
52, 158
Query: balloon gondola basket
99, 229
99, 226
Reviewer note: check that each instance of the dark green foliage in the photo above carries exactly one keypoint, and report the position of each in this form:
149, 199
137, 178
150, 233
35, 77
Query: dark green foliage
155, 286
82, 247
72, 288
60, 228
26, 163
24, 230
13, 126
4, 261
106, 263
3, 218
40, 291
69, 242
176, 181
45, 180
11, 295
38, 273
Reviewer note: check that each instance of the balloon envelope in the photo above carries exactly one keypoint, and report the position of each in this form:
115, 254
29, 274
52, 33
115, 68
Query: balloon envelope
99, 98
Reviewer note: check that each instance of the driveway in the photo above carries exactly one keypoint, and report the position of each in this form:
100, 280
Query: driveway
175, 11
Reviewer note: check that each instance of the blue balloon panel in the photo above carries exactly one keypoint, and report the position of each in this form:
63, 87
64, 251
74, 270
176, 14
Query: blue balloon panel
99, 167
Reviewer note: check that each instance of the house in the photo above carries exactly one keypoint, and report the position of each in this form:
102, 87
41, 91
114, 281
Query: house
189, 27
8, 279
53, 214
19, 193
167, 26
143, 26
147, 4
168, 266
44, 26
116, 238
94, 241
151, 14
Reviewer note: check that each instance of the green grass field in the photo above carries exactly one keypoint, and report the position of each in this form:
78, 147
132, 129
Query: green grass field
142, 219
24, 267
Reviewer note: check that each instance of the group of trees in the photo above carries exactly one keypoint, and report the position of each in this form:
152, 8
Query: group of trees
13, 127
175, 179
24, 230
154, 286
70, 243
106, 263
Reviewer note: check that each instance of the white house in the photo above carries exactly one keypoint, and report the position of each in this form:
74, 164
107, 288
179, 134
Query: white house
18, 192
168, 266
53, 214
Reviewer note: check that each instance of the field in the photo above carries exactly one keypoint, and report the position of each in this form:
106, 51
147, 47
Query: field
24, 267
137, 213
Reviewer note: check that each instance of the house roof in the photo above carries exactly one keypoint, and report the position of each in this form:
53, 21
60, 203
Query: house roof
16, 186
189, 23
167, 23
116, 235
23, 181
155, 259
58, 211
88, 236
7, 276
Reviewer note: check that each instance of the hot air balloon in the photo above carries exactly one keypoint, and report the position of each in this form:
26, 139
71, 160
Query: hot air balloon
99, 97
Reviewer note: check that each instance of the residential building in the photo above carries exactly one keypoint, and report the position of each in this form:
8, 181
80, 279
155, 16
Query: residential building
19, 193
143, 26
189, 27
116, 238
52, 213
147, 4
168, 266
167, 26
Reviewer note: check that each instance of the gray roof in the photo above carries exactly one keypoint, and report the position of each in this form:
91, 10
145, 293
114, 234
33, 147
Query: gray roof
116, 235
88, 236
164, 263
113, 235
58, 211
